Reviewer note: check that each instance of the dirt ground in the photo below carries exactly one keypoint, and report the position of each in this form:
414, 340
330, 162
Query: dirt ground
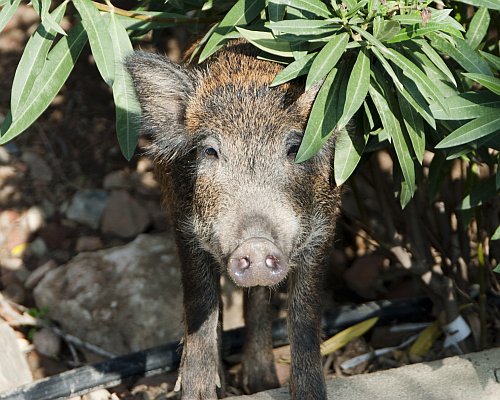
73, 146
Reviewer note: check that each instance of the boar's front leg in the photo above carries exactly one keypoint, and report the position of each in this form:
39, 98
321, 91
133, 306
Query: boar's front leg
307, 381
258, 370
200, 364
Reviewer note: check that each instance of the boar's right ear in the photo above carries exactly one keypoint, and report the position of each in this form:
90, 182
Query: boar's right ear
163, 88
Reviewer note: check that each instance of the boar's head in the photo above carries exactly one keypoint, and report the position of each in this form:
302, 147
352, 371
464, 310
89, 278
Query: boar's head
224, 143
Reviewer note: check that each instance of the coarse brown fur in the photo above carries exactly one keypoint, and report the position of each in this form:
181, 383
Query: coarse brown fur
224, 146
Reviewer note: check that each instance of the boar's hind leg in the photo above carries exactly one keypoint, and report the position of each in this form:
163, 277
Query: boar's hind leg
200, 371
258, 370
304, 319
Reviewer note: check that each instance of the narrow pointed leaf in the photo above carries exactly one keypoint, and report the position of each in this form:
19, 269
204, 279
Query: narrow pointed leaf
357, 87
7, 12
414, 126
326, 59
436, 59
42, 7
32, 62
425, 340
99, 39
462, 53
303, 27
473, 130
242, 13
276, 11
478, 28
60, 62
128, 110
295, 69
481, 192
491, 4
392, 126
314, 6
321, 122
487, 81
414, 31
496, 236
349, 147
467, 106
267, 42
492, 60
347, 335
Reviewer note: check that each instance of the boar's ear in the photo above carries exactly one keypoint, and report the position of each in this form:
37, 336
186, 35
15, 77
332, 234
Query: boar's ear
305, 101
162, 88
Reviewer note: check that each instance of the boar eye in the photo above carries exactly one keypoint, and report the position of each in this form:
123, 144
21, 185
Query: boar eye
211, 152
292, 150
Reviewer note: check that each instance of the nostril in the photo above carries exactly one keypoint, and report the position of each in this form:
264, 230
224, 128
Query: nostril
272, 262
244, 263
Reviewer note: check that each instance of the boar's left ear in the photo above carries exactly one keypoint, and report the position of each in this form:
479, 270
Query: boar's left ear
162, 88
305, 101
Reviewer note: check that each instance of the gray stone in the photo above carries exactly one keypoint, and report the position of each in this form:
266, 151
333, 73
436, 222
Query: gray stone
47, 342
39, 169
37, 275
14, 369
87, 206
124, 216
123, 299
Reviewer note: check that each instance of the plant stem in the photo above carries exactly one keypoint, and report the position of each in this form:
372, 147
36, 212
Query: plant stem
108, 7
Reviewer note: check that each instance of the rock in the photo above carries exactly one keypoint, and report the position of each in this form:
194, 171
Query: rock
34, 218
47, 343
117, 180
123, 298
14, 370
87, 207
37, 248
124, 216
101, 394
39, 169
37, 275
88, 243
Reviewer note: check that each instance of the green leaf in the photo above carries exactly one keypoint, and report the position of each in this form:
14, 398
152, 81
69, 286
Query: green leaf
438, 171
424, 84
42, 8
414, 126
99, 39
386, 29
32, 62
276, 11
60, 62
357, 87
489, 82
303, 27
472, 130
466, 106
462, 53
314, 6
489, 141
496, 236
349, 147
295, 69
414, 31
478, 28
408, 89
436, 59
7, 12
491, 4
267, 42
392, 126
128, 110
326, 59
481, 192
242, 13
322, 121
492, 60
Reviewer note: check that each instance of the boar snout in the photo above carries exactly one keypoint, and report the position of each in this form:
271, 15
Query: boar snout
257, 262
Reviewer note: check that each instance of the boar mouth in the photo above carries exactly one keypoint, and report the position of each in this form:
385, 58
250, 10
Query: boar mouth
257, 261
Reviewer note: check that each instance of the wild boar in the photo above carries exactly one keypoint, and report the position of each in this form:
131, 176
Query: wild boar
224, 145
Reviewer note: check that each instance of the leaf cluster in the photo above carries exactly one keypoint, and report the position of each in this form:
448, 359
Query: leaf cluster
413, 75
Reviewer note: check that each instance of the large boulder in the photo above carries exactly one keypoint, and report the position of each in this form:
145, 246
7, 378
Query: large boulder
122, 299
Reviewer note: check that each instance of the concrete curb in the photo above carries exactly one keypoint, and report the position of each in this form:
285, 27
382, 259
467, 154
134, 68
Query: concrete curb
475, 376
